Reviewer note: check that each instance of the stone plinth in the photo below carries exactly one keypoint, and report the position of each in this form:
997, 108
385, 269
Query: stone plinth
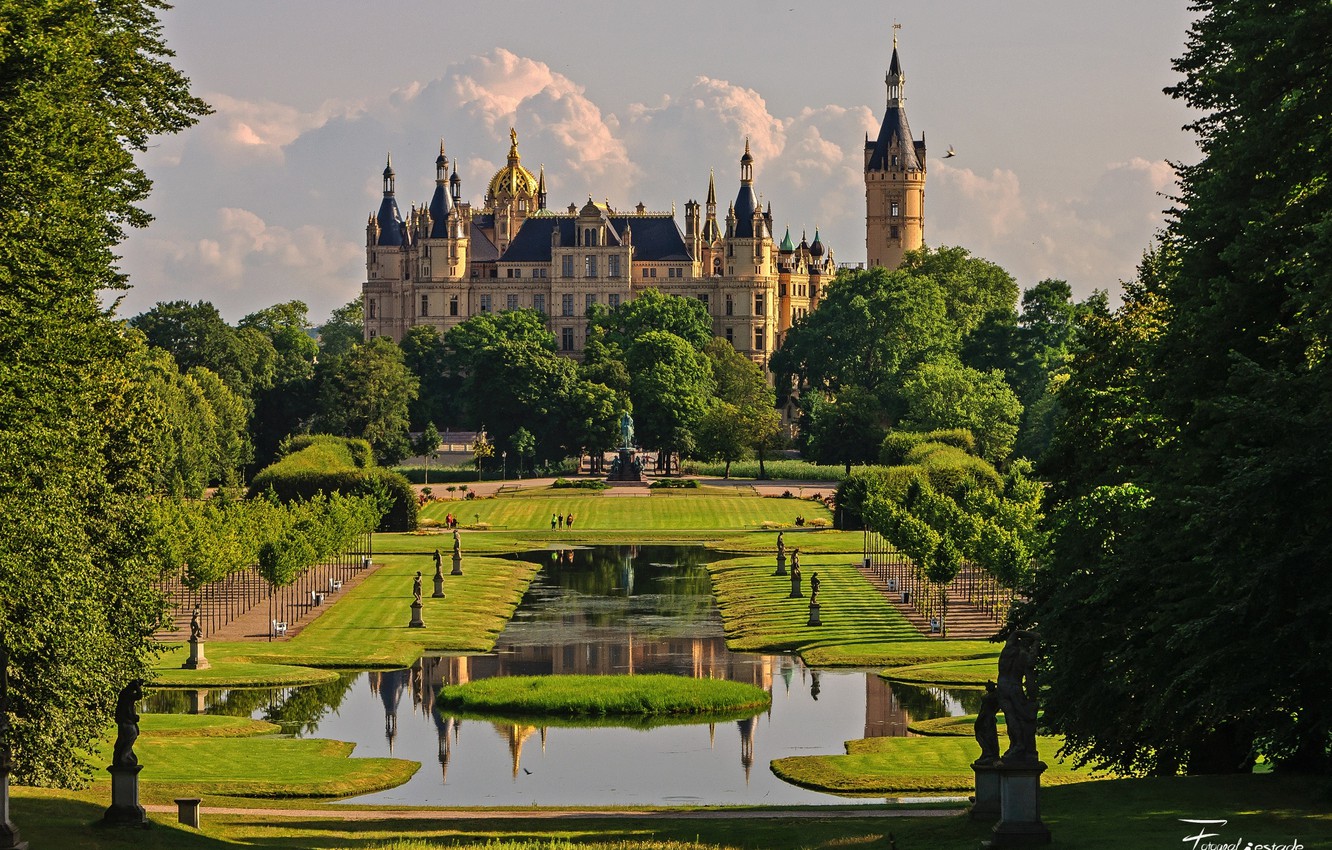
986, 804
417, 622
196, 661
795, 587
187, 811
9, 834
625, 470
1019, 807
814, 615
457, 565
439, 584
781, 565
125, 809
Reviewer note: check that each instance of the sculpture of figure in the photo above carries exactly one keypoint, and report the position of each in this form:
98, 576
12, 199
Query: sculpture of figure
781, 545
1017, 695
814, 589
127, 725
416, 587
196, 627
795, 575
987, 726
457, 543
626, 430
439, 561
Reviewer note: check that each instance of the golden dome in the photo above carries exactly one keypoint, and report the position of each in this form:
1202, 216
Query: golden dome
512, 179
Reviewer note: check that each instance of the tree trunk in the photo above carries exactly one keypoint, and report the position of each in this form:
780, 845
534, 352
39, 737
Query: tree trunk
727, 474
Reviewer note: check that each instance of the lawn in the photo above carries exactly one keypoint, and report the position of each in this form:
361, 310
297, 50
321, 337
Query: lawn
660, 510
599, 696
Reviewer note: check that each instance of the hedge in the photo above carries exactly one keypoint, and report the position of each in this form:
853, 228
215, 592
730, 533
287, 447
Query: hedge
338, 465
353, 451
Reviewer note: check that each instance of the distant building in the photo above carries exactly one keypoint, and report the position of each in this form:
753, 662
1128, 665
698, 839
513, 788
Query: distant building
894, 180
447, 261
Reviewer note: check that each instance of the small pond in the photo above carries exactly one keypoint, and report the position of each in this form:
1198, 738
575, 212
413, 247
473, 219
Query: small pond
604, 609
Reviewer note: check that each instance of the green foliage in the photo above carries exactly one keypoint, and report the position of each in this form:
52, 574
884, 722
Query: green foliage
328, 465
344, 329
196, 335
350, 451
847, 429
366, 393
782, 470
674, 484
945, 394
671, 386
594, 696
579, 484
83, 86
651, 311
897, 445
1188, 539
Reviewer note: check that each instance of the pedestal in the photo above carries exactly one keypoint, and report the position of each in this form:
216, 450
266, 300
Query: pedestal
625, 470
196, 661
9, 834
1019, 807
439, 584
795, 588
986, 805
187, 811
814, 615
457, 565
781, 565
125, 809
417, 622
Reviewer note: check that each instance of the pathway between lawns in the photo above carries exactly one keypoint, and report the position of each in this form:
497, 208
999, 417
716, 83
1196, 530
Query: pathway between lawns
253, 625
568, 814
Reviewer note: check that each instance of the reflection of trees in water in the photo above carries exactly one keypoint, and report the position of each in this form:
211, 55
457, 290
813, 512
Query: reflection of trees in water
296, 710
923, 703
663, 581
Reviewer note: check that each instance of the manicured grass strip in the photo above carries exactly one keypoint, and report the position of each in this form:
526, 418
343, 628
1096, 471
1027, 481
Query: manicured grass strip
905, 766
602, 696
550, 844
267, 767
759, 616
904, 653
232, 673
962, 727
966, 673
662, 510
203, 726
807, 540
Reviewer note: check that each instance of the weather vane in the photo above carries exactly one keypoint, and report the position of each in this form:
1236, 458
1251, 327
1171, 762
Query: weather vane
896, 27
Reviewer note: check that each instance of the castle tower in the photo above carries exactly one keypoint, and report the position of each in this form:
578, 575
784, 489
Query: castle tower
894, 180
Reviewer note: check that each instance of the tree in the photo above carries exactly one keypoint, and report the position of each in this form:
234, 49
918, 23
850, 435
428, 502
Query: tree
345, 328
287, 406
973, 288
524, 446
847, 429
720, 435
365, 394
755, 422
426, 445
424, 352
482, 448
196, 335
652, 310
1214, 517
82, 87
944, 394
671, 387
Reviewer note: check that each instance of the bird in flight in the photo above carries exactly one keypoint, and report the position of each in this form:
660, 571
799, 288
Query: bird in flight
951, 152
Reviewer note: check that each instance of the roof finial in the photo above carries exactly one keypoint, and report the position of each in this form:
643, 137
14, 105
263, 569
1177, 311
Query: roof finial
896, 27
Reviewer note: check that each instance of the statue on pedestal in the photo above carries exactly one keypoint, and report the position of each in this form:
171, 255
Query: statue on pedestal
416, 588
1017, 695
127, 725
987, 726
196, 627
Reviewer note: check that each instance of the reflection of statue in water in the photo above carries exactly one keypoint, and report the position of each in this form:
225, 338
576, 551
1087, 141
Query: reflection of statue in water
987, 726
626, 430
196, 627
1017, 695
127, 725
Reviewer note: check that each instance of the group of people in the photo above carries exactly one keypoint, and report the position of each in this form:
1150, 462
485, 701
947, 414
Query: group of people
450, 521
560, 521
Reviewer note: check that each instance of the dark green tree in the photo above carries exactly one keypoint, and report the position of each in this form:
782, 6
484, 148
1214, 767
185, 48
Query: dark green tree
671, 388
365, 393
345, 328
652, 310
1216, 522
83, 86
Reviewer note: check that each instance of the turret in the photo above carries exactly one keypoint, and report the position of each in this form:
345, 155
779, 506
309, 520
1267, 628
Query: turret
894, 179
440, 202
389, 218
746, 204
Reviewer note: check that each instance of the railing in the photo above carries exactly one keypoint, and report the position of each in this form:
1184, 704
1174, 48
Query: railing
223, 601
900, 574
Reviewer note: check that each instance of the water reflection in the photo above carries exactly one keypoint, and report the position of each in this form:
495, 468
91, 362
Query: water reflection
596, 610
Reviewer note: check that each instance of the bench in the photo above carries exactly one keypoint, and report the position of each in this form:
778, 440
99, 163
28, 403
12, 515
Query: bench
334, 585
316, 598
279, 628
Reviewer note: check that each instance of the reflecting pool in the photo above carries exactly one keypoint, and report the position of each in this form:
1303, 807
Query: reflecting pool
603, 610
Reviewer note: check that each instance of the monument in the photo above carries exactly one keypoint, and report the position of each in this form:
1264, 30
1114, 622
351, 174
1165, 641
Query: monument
457, 555
10, 839
985, 806
196, 661
1020, 768
417, 622
439, 576
125, 809
781, 556
795, 576
814, 619
626, 467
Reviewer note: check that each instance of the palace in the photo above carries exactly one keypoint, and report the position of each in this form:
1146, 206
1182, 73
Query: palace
447, 261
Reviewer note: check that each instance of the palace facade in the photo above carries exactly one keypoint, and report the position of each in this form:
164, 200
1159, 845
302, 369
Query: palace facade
447, 261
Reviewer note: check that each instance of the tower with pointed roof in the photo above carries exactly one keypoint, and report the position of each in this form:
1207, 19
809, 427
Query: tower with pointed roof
894, 179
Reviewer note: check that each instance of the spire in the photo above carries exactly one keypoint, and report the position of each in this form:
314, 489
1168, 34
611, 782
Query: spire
816, 247
786, 246
440, 203
895, 79
441, 164
541, 188
455, 183
746, 202
747, 165
388, 176
513, 147
389, 218
895, 132
712, 190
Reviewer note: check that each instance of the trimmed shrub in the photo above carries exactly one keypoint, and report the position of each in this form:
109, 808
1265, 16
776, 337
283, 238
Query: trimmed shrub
897, 446
355, 451
583, 484
673, 484
950, 469
328, 465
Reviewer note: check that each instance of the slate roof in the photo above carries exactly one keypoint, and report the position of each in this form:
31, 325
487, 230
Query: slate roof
439, 212
895, 129
655, 238
390, 222
482, 249
745, 203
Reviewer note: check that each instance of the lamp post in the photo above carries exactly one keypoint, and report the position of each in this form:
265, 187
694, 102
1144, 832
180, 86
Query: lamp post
504, 466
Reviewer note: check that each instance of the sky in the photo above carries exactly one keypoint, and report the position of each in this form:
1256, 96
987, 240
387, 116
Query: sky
1054, 107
